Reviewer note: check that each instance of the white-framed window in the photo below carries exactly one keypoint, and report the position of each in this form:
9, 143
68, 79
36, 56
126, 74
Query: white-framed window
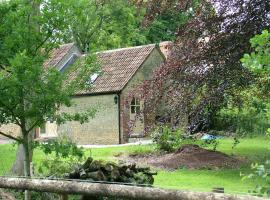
135, 106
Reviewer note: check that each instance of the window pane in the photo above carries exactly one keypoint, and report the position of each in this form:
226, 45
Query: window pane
137, 102
137, 109
132, 109
133, 102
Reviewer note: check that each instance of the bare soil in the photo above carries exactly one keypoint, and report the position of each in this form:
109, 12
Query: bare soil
188, 156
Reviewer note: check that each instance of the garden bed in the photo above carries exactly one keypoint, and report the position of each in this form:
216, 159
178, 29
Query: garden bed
188, 156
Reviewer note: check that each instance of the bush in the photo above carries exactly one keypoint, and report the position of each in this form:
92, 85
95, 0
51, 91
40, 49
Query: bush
61, 155
167, 139
261, 171
252, 118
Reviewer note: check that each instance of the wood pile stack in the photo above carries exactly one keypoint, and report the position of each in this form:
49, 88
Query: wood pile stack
94, 170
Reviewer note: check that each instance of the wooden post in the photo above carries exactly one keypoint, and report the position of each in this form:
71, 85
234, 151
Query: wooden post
63, 197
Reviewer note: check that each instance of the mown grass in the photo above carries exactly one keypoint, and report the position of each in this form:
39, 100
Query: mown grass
7, 157
252, 149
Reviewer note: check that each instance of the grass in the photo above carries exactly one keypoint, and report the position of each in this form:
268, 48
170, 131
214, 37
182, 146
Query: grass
204, 180
7, 157
252, 149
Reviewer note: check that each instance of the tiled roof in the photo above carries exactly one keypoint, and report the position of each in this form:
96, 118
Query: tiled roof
58, 54
118, 67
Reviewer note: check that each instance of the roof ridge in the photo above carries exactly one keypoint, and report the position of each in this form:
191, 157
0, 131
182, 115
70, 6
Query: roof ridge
128, 48
125, 48
66, 44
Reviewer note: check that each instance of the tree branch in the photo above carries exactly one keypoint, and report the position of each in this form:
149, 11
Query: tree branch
12, 113
11, 137
33, 126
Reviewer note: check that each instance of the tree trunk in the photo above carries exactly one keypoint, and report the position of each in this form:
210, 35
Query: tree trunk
26, 163
17, 167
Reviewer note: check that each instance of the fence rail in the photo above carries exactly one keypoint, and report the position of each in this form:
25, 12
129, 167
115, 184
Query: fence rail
111, 190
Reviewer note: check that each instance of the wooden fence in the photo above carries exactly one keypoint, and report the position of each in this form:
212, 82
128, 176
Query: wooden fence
111, 190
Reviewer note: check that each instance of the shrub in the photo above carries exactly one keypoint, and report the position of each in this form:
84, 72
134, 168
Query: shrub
252, 118
167, 139
61, 155
261, 171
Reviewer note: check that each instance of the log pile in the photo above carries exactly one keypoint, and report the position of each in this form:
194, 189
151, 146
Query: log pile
94, 170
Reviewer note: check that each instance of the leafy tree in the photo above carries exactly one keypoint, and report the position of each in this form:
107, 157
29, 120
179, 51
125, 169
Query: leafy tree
259, 61
164, 26
31, 94
164, 18
98, 25
205, 63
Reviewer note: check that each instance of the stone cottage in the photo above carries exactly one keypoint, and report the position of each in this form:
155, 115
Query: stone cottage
122, 70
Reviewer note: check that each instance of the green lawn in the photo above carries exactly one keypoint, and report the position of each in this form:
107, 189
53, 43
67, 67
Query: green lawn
252, 149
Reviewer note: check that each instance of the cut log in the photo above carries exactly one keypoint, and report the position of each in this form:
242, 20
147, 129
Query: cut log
99, 171
112, 190
115, 175
143, 169
109, 167
83, 174
152, 173
75, 174
87, 163
129, 172
94, 166
98, 176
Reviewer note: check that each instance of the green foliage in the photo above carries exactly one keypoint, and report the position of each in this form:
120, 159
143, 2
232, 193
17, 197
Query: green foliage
103, 25
259, 61
254, 149
247, 111
170, 140
164, 26
213, 142
251, 118
29, 93
62, 147
166, 139
262, 171
61, 155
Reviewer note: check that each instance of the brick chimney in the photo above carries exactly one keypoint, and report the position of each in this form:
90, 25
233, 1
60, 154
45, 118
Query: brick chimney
166, 47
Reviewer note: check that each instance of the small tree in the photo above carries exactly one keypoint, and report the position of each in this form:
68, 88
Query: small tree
29, 93
259, 61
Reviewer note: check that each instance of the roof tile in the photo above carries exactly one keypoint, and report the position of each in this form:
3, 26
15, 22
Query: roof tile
118, 67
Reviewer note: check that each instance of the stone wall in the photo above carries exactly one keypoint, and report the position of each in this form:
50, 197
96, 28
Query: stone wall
102, 129
151, 63
10, 129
